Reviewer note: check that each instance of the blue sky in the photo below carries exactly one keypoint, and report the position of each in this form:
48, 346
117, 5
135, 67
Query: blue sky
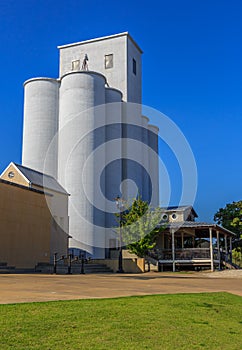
191, 72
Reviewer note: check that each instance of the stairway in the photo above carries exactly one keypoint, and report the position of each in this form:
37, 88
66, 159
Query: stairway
4, 268
92, 268
230, 265
62, 268
153, 264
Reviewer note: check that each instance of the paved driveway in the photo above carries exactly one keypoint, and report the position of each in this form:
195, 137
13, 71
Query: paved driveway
37, 287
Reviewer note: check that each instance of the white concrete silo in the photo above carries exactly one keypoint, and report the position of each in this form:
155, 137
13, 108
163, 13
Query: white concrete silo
154, 164
41, 101
132, 151
145, 141
113, 161
81, 131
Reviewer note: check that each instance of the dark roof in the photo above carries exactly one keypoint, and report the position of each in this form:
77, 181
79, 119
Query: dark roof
180, 208
24, 187
196, 225
39, 179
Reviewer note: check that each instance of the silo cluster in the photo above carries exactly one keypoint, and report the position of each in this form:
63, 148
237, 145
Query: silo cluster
97, 146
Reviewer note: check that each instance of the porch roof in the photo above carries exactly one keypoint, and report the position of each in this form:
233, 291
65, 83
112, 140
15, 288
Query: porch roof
197, 225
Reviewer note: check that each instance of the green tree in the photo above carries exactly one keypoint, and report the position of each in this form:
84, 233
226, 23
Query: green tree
139, 227
230, 217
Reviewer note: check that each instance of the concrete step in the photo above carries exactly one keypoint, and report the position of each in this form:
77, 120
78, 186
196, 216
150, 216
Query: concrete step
7, 270
91, 268
3, 264
4, 268
44, 268
75, 268
151, 260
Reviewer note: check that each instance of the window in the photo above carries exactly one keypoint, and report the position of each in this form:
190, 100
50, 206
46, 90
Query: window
108, 61
134, 66
11, 174
75, 65
173, 216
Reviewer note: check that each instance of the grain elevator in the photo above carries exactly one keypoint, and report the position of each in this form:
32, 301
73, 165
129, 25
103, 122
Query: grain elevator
86, 129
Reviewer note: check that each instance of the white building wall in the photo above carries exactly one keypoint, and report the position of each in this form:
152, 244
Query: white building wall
58, 205
134, 78
123, 49
59, 211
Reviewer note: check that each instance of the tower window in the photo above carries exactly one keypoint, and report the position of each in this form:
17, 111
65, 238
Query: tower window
108, 61
75, 65
134, 66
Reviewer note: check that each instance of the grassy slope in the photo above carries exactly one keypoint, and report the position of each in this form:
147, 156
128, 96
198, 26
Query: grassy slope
164, 322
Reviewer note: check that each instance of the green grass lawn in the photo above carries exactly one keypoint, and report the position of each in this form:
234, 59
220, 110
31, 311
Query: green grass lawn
163, 322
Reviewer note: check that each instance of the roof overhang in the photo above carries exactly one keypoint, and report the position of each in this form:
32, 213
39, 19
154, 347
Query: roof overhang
196, 225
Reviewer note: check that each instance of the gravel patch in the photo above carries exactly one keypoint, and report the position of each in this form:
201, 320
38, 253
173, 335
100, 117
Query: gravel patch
225, 274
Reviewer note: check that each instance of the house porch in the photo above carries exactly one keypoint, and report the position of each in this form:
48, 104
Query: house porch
192, 244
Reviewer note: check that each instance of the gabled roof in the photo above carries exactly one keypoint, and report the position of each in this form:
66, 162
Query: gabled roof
180, 208
39, 179
10, 183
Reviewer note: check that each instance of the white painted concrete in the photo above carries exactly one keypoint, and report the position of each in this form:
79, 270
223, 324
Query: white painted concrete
41, 99
145, 153
154, 164
120, 76
80, 93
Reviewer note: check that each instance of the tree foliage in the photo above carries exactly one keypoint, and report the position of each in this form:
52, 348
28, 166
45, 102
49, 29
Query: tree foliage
230, 217
139, 227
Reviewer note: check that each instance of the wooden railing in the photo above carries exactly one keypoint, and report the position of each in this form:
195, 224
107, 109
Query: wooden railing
181, 254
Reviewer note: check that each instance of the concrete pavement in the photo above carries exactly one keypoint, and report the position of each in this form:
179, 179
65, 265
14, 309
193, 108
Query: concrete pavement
39, 287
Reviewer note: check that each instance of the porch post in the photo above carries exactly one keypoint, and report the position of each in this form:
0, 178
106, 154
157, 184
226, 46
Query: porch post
173, 249
182, 239
211, 247
226, 247
218, 248
163, 240
230, 248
